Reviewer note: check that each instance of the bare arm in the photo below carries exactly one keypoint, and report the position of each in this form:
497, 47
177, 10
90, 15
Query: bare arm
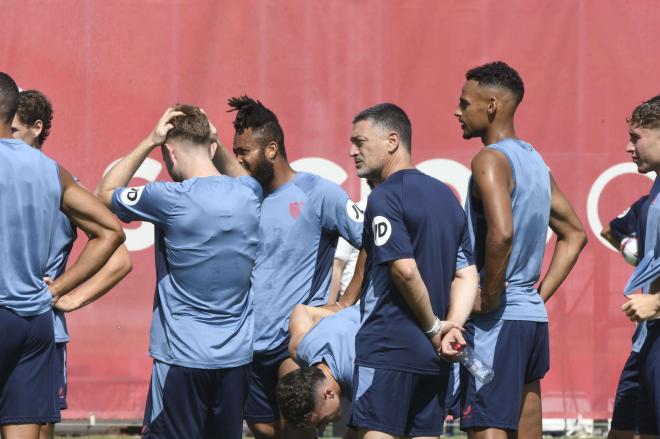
226, 163
303, 318
117, 267
571, 239
335, 281
354, 288
493, 184
104, 232
122, 172
463, 294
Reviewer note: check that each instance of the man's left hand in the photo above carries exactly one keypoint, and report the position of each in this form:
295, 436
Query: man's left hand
641, 306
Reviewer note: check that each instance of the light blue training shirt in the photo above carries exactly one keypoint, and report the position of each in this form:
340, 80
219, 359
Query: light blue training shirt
300, 224
205, 246
530, 205
30, 195
332, 340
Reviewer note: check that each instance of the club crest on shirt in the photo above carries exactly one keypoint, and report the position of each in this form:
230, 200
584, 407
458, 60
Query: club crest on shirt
382, 229
354, 212
295, 208
131, 195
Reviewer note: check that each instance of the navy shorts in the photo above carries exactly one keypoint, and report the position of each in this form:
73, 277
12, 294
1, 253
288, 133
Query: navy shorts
519, 352
637, 401
398, 403
195, 403
261, 405
28, 385
60, 370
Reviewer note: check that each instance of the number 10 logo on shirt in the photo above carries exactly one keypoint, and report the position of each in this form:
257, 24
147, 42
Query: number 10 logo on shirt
382, 229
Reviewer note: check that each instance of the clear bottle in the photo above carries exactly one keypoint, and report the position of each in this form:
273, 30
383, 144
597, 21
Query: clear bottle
474, 364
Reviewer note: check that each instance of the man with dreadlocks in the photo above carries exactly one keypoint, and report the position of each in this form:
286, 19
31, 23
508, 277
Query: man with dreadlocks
302, 217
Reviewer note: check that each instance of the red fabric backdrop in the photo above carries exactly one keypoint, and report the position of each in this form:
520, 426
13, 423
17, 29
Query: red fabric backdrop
112, 67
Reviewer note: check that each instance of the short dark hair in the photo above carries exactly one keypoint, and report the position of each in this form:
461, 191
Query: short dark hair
193, 125
33, 105
498, 74
263, 122
646, 114
296, 395
391, 117
8, 98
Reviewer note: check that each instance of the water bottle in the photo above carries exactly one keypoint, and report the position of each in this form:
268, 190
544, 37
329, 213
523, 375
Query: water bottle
474, 364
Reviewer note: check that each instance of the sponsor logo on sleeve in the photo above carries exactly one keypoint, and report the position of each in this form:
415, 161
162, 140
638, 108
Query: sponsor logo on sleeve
131, 195
382, 229
354, 211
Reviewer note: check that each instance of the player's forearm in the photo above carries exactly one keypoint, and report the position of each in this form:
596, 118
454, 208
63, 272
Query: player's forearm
498, 252
95, 254
122, 172
409, 283
227, 163
463, 294
117, 267
567, 250
354, 288
606, 234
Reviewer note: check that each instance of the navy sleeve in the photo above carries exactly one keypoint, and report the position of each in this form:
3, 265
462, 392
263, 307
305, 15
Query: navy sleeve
626, 223
391, 240
153, 202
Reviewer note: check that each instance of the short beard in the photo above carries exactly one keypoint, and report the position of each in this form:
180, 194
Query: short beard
264, 171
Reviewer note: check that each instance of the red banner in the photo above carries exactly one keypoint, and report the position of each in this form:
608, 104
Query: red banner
111, 68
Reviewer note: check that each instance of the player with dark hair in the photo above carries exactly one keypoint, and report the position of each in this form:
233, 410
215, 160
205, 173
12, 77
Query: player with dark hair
302, 217
420, 282
206, 244
33, 118
637, 402
34, 190
31, 125
512, 200
323, 344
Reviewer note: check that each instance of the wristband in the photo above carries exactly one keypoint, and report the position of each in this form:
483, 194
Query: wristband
435, 329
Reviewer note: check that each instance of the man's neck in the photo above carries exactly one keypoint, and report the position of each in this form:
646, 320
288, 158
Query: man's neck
396, 164
199, 168
499, 132
283, 174
5, 131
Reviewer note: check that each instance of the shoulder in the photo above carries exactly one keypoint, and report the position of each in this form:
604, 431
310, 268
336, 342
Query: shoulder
317, 187
251, 184
489, 157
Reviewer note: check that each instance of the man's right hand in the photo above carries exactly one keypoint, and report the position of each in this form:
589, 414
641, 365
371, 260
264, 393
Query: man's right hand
159, 133
449, 341
445, 327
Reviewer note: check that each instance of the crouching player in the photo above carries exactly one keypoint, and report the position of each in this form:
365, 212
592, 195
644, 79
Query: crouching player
323, 343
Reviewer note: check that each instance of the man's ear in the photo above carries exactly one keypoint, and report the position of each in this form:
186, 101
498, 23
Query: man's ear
212, 149
393, 142
271, 151
492, 106
37, 128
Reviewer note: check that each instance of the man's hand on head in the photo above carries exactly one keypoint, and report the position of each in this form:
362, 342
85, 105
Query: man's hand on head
159, 133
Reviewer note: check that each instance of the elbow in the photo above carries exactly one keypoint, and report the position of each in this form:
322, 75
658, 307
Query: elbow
501, 237
404, 272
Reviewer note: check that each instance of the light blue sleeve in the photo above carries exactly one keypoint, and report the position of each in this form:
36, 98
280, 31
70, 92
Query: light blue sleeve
464, 257
338, 213
153, 202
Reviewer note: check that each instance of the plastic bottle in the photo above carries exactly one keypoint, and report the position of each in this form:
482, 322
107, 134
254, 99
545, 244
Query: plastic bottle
474, 364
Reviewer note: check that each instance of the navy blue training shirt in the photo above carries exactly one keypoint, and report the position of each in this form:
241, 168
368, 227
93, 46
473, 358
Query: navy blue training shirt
410, 215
